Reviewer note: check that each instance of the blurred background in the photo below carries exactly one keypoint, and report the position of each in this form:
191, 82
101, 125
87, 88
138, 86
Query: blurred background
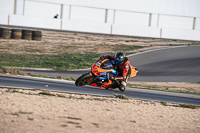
172, 19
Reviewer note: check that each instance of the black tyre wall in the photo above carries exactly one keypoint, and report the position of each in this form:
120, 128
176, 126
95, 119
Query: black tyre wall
37, 35
8, 33
27, 34
5, 33
16, 34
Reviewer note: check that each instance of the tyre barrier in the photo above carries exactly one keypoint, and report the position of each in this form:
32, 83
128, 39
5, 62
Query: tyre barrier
16, 34
27, 34
7, 33
37, 35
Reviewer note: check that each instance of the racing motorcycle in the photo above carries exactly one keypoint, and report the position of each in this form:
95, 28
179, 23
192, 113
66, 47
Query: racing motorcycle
100, 74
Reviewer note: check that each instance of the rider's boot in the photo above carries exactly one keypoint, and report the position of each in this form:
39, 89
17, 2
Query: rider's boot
108, 88
122, 86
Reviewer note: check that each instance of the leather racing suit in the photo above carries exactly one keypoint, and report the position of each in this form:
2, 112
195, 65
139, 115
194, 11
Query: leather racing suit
124, 69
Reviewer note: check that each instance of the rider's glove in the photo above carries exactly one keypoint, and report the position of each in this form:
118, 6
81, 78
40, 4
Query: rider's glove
106, 57
113, 78
109, 57
102, 58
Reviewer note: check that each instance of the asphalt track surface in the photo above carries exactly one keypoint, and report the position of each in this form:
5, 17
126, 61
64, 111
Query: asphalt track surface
177, 64
33, 83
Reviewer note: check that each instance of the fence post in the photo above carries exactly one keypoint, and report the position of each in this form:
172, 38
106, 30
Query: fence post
150, 17
110, 18
194, 23
106, 15
15, 6
19, 7
114, 16
61, 15
61, 11
153, 20
23, 7
158, 20
69, 12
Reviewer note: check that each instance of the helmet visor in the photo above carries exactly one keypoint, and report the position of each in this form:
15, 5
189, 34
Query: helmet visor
119, 58
118, 61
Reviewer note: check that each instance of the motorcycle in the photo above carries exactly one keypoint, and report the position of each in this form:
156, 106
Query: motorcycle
100, 74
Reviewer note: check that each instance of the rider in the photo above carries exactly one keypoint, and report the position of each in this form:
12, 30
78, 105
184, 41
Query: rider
122, 65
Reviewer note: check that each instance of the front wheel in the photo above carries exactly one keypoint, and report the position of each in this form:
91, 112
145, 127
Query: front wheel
84, 79
122, 88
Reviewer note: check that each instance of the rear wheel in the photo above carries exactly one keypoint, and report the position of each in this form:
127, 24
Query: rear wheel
84, 79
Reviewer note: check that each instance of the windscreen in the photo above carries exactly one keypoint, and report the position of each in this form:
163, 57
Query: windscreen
106, 65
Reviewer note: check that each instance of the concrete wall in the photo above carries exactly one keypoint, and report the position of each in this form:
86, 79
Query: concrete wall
131, 18
197, 24
136, 30
180, 34
40, 9
7, 6
86, 26
34, 22
145, 18
4, 19
176, 22
169, 7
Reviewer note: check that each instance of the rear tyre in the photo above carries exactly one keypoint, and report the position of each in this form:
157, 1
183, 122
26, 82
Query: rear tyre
83, 79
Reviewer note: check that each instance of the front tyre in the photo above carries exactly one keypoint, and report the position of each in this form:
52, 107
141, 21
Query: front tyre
83, 79
122, 88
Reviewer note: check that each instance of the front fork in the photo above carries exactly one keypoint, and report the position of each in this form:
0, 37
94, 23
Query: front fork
108, 76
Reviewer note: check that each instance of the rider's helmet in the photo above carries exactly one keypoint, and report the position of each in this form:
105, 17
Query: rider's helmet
119, 58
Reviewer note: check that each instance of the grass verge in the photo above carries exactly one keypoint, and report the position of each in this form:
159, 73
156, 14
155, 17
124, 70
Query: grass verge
187, 106
64, 61
16, 71
46, 93
163, 103
161, 88
57, 62
121, 96
190, 106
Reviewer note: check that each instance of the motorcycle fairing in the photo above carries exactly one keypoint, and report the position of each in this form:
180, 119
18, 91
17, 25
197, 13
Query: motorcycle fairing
102, 69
